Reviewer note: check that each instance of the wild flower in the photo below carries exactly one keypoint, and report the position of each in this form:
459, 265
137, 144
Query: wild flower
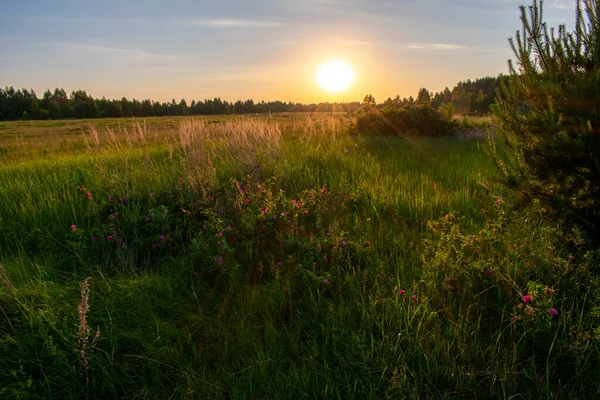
247, 201
526, 298
110, 198
401, 292
150, 195
180, 179
196, 273
73, 226
228, 228
220, 234
280, 263
147, 219
324, 191
162, 238
282, 214
110, 237
326, 282
414, 297
94, 239
489, 272
343, 243
553, 312
496, 202
88, 196
219, 243
220, 259
446, 216
368, 242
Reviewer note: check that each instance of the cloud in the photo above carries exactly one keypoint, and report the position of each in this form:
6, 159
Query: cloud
436, 46
123, 54
563, 3
235, 23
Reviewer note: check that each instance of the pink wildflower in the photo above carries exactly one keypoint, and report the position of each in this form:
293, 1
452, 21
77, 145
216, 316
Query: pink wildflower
326, 281
247, 201
526, 298
553, 312
220, 259
280, 263
73, 227
220, 234
446, 216
414, 297
162, 237
110, 237
489, 272
401, 292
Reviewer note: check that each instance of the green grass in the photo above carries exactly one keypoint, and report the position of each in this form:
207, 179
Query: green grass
176, 321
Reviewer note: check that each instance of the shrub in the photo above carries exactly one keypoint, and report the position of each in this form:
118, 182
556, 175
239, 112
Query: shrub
418, 120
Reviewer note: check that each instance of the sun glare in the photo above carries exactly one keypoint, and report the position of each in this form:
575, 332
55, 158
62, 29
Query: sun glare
334, 76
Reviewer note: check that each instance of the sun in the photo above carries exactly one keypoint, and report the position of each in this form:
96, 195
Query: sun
334, 76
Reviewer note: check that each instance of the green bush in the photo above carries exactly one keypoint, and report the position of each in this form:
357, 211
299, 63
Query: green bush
419, 120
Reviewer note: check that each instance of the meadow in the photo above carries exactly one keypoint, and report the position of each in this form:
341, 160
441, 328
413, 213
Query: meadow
285, 257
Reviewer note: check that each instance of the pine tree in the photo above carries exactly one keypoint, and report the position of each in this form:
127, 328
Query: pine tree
547, 146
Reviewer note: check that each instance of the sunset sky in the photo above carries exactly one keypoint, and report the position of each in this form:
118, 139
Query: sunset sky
260, 49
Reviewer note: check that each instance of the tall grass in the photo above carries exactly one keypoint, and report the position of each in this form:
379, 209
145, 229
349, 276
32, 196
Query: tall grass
256, 259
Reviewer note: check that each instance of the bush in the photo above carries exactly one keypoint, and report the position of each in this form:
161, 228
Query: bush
419, 120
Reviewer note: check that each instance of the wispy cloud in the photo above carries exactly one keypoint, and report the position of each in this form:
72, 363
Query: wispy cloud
132, 55
235, 23
436, 46
563, 3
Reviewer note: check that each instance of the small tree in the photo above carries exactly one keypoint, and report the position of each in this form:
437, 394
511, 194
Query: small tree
548, 116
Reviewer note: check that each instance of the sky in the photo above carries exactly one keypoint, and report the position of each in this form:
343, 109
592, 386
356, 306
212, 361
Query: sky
256, 49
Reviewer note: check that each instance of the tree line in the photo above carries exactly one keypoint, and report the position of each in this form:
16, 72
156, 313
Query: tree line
23, 104
466, 97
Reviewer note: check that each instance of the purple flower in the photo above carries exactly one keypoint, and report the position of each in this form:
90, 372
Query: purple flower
526, 298
280, 263
147, 219
150, 195
489, 272
162, 237
180, 179
110, 198
343, 243
94, 239
110, 237
496, 202
220, 234
196, 273
401, 292
73, 227
326, 282
219, 243
220, 259
553, 312
228, 228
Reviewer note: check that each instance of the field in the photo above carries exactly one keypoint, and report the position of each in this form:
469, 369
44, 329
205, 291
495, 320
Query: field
284, 257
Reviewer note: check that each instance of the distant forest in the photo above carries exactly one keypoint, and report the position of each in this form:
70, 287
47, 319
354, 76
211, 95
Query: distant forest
469, 97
